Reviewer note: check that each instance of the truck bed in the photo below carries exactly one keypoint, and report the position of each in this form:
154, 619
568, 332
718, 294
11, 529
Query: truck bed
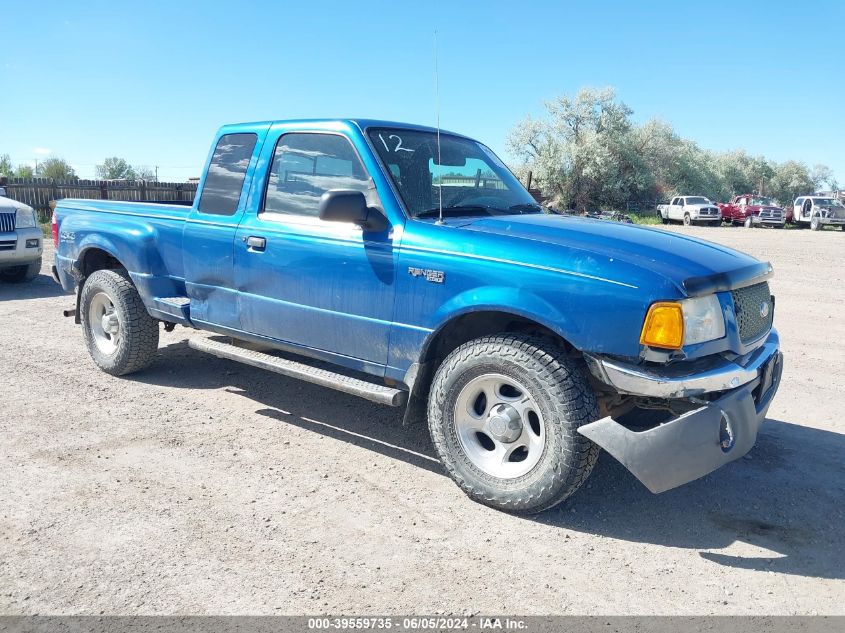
148, 235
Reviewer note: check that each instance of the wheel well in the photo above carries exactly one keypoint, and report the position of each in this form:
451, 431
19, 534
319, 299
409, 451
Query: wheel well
471, 326
95, 259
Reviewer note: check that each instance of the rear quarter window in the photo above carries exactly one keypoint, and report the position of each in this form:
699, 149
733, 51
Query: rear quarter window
221, 192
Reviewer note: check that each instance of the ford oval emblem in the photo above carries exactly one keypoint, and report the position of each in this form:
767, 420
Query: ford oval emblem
764, 309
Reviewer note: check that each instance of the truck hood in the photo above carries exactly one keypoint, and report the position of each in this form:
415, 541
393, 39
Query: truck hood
7, 205
597, 246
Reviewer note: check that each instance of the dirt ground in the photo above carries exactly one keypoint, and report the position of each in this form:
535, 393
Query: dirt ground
204, 486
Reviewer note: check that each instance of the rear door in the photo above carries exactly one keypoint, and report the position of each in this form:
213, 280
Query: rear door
676, 209
325, 286
208, 237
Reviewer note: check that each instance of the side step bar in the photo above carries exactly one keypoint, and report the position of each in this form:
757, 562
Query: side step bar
381, 394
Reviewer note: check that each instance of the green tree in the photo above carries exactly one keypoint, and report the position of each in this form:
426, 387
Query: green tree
55, 168
6, 168
586, 151
822, 175
115, 168
144, 172
24, 171
790, 180
580, 152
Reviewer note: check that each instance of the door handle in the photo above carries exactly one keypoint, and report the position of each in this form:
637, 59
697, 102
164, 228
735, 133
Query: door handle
255, 243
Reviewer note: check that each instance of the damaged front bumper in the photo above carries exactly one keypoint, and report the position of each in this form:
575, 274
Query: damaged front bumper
699, 441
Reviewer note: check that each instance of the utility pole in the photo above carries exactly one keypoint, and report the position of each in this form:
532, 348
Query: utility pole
156, 173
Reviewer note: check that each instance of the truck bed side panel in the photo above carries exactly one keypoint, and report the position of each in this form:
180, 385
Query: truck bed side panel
145, 238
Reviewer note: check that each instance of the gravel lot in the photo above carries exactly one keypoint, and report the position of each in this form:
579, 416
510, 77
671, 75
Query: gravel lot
204, 486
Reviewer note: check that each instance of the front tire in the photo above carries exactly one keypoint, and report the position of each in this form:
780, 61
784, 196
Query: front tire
21, 274
121, 336
815, 223
503, 415
687, 219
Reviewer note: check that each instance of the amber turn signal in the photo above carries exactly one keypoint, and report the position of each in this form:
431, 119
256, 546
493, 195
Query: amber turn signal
664, 326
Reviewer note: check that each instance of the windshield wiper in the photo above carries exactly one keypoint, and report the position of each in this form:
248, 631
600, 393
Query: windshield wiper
530, 207
459, 210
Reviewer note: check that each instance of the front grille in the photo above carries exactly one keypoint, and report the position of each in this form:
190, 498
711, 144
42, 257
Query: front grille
7, 222
749, 307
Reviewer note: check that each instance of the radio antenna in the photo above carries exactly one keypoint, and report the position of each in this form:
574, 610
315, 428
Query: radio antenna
437, 108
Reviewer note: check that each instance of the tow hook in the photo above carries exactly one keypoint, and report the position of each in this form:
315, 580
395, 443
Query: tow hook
69, 313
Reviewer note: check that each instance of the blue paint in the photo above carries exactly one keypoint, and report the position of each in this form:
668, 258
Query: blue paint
341, 293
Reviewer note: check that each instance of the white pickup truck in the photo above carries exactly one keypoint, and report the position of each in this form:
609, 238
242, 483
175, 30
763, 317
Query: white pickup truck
818, 211
690, 210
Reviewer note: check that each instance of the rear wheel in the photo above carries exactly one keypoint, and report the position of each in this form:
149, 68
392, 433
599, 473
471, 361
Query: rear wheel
19, 274
503, 414
120, 334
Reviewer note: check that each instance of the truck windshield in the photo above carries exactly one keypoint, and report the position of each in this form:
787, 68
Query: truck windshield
698, 200
826, 202
763, 202
470, 178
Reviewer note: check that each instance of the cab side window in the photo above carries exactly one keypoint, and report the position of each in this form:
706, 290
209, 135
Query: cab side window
305, 166
221, 192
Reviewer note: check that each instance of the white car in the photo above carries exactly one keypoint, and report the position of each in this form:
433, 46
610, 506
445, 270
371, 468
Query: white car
690, 210
21, 242
818, 211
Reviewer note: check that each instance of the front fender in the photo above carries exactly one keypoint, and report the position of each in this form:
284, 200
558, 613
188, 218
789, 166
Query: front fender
508, 300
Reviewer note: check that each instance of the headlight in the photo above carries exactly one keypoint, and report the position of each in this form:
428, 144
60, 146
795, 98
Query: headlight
25, 219
703, 319
673, 324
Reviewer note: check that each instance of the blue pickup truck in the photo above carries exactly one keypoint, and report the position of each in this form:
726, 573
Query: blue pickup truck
409, 266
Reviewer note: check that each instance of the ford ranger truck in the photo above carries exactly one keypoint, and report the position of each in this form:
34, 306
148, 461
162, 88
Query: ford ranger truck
411, 268
21, 242
750, 211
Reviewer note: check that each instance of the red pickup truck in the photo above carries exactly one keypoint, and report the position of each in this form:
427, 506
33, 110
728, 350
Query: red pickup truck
751, 210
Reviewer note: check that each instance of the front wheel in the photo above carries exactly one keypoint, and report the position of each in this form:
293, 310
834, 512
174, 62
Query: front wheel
815, 223
503, 414
20, 274
687, 219
120, 334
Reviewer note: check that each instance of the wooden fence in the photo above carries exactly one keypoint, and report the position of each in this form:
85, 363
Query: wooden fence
38, 192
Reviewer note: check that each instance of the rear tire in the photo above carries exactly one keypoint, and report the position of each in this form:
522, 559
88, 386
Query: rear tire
522, 386
21, 274
120, 334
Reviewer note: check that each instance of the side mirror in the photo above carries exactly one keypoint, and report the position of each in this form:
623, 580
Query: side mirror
348, 205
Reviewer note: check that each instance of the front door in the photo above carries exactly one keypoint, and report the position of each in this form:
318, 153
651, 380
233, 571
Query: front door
323, 286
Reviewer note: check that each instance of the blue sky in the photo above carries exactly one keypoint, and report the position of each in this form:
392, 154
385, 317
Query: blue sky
152, 81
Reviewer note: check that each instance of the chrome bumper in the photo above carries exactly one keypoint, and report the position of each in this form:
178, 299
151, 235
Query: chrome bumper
684, 379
